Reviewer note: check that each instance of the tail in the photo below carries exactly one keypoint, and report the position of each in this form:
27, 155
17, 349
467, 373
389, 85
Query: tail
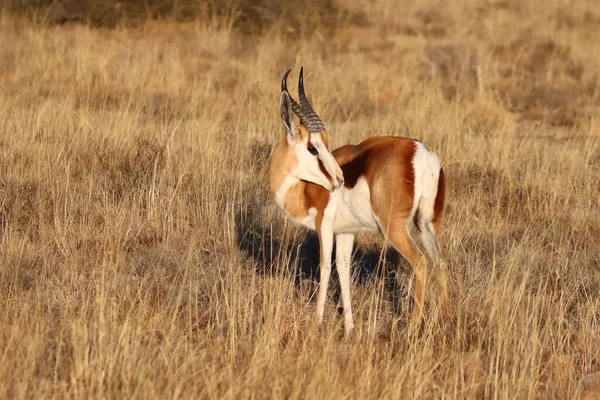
428, 210
430, 222
429, 199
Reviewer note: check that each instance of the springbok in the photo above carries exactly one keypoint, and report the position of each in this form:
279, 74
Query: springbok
385, 184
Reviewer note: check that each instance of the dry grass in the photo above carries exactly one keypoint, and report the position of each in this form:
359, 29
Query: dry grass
141, 256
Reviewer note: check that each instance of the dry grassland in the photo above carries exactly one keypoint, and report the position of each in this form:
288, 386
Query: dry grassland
141, 255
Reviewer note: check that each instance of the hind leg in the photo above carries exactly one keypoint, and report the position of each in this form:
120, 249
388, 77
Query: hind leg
400, 237
436, 231
431, 247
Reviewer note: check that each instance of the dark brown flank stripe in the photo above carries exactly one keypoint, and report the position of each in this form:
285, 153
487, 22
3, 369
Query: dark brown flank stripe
416, 220
440, 198
356, 161
354, 169
409, 174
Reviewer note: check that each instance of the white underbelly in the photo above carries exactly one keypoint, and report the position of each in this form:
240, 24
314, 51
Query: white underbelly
354, 212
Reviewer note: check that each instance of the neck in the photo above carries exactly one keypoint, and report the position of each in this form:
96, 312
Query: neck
294, 196
289, 195
286, 190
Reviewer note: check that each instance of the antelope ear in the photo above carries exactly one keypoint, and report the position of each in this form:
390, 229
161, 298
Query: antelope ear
287, 117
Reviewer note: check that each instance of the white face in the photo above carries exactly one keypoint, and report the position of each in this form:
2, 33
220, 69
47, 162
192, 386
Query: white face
316, 164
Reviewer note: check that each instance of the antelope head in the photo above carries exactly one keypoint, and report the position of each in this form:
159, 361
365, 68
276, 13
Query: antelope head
307, 146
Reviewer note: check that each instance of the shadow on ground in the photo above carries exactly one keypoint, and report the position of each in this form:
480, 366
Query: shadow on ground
299, 258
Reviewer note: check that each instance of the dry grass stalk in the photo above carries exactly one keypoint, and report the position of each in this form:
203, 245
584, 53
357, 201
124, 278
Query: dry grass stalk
141, 256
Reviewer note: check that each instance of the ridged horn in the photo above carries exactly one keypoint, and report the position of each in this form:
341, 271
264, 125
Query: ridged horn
312, 121
295, 106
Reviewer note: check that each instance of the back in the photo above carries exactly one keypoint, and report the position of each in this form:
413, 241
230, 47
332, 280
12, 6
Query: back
386, 164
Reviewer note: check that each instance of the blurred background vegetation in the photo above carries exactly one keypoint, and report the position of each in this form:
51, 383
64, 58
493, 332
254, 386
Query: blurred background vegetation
247, 16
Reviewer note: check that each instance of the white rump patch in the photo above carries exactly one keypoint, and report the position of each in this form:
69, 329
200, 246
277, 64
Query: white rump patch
427, 166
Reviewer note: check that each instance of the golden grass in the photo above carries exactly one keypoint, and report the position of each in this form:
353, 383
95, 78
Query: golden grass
141, 256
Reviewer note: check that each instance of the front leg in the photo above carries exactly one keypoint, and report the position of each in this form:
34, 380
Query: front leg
343, 261
325, 230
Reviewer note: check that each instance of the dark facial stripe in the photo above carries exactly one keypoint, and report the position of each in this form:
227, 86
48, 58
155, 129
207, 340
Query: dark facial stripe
323, 170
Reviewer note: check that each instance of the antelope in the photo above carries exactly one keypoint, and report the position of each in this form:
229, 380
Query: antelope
391, 185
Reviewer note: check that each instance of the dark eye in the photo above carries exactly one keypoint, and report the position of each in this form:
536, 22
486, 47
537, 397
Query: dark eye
311, 149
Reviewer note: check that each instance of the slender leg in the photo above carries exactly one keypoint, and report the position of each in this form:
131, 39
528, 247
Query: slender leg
343, 260
403, 242
421, 286
442, 280
326, 241
439, 271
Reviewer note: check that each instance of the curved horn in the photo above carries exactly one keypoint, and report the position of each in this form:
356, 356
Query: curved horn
313, 122
295, 106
